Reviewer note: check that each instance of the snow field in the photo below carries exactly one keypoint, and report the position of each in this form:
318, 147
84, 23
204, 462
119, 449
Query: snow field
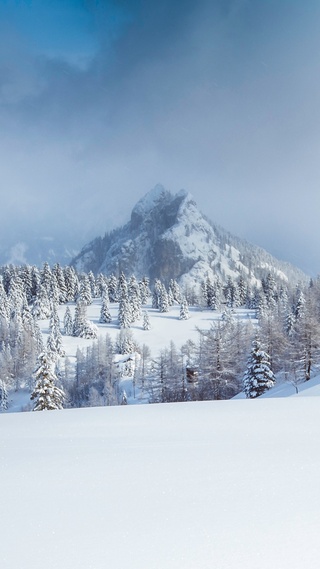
165, 327
200, 485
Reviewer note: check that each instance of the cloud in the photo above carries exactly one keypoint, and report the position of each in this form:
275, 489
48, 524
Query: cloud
218, 97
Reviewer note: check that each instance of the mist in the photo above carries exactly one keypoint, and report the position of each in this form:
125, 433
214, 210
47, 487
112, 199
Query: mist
219, 98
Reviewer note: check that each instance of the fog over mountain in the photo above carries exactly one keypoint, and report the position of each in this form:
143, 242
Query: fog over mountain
99, 101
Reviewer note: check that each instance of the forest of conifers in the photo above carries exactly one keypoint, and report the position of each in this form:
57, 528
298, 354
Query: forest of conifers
284, 326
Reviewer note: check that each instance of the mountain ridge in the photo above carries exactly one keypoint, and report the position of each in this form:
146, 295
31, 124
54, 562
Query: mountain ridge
167, 237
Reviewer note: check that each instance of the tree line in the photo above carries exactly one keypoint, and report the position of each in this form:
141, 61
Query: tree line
283, 341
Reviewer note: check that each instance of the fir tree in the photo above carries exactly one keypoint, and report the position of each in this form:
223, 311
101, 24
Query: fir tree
71, 284
134, 299
105, 316
61, 283
184, 310
54, 343
144, 290
163, 299
3, 396
85, 295
46, 277
156, 293
113, 289
46, 394
41, 304
67, 322
82, 327
146, 321
124, 314
258, 377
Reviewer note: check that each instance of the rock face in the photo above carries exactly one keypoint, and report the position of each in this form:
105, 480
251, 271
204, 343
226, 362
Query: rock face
167, 237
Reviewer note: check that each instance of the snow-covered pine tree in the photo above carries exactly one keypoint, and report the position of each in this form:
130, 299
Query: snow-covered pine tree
85, 295
175, 291
93, 285
144, 290
134, 298
258, 377
46, 277
125, 312
67, 322
163, 299
55, 338
41, 304
105, 316
82, 327
242, 290
113, 289
3, 396
184, 310
51, 347
146, 321
61, 283
46, 394
36, 279
71, 283
4, 305
102, 285
156, 293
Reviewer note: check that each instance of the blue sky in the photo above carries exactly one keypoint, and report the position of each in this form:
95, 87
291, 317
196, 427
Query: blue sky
100, 100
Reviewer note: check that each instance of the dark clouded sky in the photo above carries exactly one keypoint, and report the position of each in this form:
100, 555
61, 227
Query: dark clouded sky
101, 100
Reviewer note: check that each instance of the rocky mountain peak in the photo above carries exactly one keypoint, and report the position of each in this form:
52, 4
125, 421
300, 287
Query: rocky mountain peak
168, 237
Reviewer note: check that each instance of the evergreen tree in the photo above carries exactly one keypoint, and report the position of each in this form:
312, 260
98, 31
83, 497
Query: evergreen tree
258, 377
82, 327
67, 322
125, 343
242, 291
134, 299
184, 310
124, 314
46, 394
71, 284
113, 289
175, 291
93, 285
41, 304
61, 283
3, 396
105, 316
156, 293
122, 287
163, 299
144, 290
85, 295
146, 321
54, 343
46, 277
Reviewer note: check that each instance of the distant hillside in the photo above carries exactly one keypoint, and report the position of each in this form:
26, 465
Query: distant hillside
168, 237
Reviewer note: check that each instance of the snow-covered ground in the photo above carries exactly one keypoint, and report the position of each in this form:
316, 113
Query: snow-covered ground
225, 485
165, 327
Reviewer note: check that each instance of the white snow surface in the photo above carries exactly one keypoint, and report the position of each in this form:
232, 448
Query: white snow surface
202, 485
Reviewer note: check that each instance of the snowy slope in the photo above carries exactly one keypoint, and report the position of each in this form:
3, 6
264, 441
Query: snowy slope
226, 485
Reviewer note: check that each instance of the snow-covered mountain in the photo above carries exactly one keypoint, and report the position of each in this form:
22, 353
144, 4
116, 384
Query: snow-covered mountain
168, 237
